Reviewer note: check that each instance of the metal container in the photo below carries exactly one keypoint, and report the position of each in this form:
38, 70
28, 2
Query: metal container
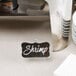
27, 14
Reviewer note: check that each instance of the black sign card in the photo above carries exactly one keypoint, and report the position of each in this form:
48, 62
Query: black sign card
35, 49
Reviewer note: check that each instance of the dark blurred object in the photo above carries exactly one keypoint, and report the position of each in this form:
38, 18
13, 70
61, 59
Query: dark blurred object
5, 8
8, 7
23, 7
15, 4
5, 0
74, 5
